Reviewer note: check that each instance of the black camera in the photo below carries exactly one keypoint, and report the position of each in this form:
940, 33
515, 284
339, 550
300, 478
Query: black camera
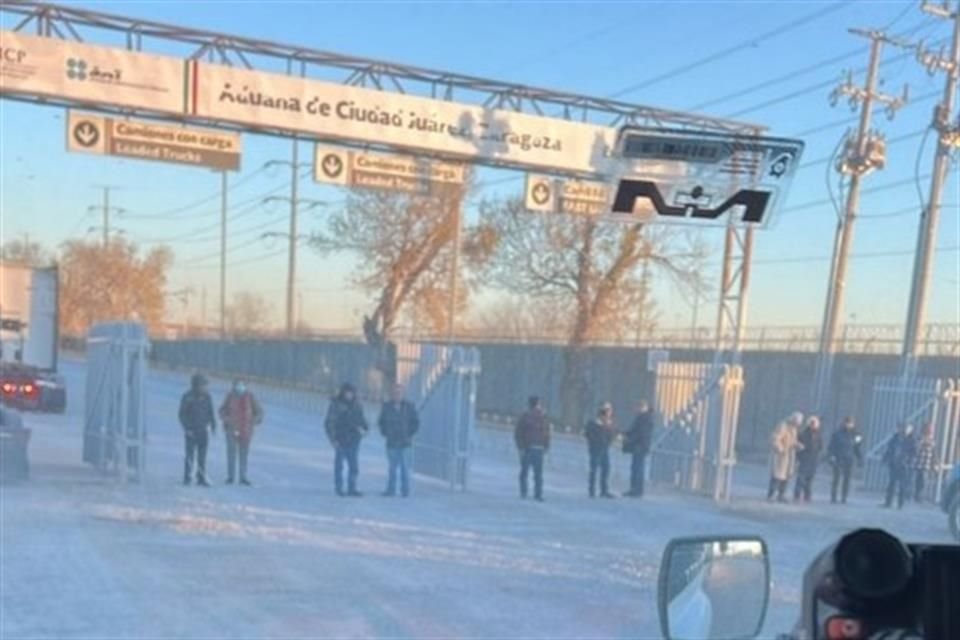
870, 585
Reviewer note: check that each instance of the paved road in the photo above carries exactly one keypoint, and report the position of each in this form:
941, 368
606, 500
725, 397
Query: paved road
85, 557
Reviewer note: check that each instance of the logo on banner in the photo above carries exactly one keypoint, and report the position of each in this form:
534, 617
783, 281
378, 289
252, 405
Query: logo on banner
540, 193
76, 69
86, 133
332, 165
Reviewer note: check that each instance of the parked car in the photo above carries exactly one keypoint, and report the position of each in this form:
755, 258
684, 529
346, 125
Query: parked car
951, 502
26, 389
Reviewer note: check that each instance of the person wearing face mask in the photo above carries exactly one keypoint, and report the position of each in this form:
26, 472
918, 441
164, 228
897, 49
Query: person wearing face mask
240, 413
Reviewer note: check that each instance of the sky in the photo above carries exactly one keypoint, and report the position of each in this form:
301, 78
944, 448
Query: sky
767, 63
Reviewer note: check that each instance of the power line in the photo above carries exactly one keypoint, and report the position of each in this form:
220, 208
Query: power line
890, 142
719, 55
806, 133
816, 66
240, 210
856, 256
881, 187
197, 203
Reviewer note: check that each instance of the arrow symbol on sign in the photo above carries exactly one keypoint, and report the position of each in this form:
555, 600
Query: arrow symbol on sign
332, 165
86, 133
540, 193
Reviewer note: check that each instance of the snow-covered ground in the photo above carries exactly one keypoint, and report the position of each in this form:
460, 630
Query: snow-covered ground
85, 557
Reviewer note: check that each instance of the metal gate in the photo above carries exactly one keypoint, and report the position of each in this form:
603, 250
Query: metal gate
698, 405
442, 381
115, 414
917, 401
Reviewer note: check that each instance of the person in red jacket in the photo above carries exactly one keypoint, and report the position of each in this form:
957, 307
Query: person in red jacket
532, 436
239, 413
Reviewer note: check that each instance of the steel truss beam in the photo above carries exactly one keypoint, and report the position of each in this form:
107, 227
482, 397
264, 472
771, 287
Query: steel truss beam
74, 23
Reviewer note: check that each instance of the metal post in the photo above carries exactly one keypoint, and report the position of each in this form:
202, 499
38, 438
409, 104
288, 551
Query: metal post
746, 256
106, 216
725, 278
454, 270
857, 164
930, 216
292, 250
223, 255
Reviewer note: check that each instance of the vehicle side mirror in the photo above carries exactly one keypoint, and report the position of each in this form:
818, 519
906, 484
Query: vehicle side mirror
713, 588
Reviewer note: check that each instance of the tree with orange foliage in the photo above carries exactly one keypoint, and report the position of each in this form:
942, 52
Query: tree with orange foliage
108, 283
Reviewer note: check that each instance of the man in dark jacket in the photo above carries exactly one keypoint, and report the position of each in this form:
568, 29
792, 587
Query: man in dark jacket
636, 442
843, 451
898, 456
196, 416
532, 436
398, 422
808, 457
345, 426
924, 460
600, 433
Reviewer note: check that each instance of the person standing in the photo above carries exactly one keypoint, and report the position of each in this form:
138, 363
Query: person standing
196, 416
923, 461
636, 442
398, 423
345, 426
532, 437
240, 414
842, 452
898, 456
808, 457
600, 433
783, 451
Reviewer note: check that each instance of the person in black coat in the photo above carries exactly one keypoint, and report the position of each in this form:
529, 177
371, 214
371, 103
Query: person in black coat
196, 416
600, 433
345, 426
398, 423
842, 452
898, 456
636, 442
808, 457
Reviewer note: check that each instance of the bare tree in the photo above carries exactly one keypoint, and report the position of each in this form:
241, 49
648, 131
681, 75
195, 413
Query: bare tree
594, 270
26, 252
248, 314
404, 244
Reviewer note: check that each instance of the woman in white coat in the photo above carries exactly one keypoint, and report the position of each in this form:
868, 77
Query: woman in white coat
784, 445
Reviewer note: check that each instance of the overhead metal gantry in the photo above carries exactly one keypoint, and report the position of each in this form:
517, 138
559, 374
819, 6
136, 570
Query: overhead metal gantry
81, 25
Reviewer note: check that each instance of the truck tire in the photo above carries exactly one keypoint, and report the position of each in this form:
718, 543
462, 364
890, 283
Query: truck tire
953, 517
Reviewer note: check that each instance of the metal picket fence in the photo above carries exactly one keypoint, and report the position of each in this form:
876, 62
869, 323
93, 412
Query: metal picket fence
698, 406
115, 426
442, 381
917, 401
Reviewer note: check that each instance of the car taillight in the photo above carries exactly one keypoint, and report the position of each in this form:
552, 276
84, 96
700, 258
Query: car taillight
29, 389
9, 388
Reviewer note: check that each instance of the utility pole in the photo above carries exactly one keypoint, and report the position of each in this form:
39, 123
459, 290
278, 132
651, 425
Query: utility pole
862, 153
106, 216
292, 248
948, 138
293, 238
223, 256
105, 210
203, 310
454, 270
